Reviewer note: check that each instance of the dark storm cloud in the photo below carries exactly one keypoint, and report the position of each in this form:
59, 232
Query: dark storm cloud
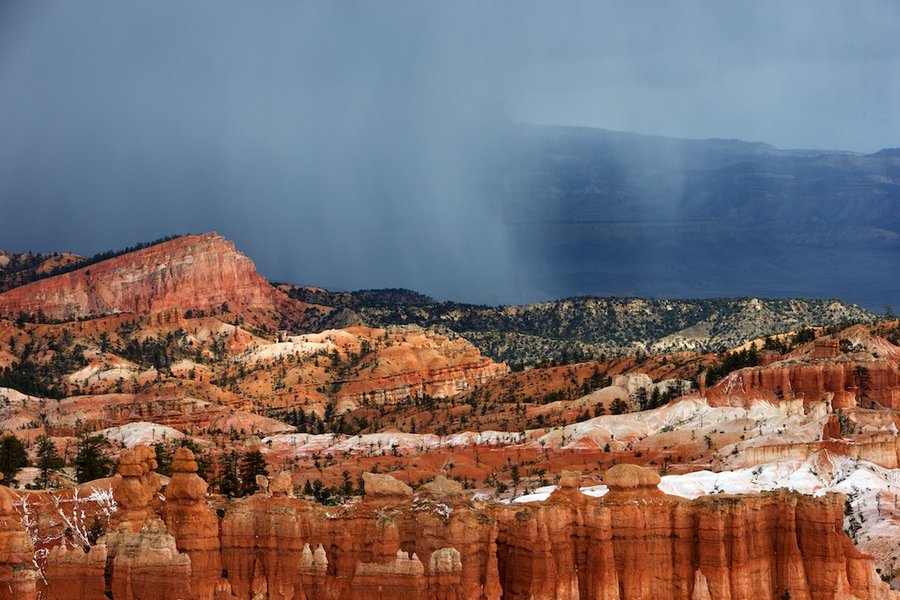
342, 144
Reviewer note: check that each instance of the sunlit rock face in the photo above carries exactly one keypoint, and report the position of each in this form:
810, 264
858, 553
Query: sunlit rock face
194, 272
440, 543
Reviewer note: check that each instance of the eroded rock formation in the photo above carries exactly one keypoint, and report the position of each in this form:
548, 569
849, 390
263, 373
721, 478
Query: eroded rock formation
18, 573
847, 383
636, 542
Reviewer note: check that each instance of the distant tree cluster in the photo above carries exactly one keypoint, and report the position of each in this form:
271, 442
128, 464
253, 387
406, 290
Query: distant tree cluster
732, 361
158, 352
237, 474
332, 495
656, 398
305, 422
91, 462
43, 378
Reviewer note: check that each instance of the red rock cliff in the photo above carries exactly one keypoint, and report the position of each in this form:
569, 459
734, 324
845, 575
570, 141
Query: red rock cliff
198, 272
634, 543
847, 382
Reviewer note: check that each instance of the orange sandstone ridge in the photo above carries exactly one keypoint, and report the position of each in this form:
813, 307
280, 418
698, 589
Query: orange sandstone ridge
868, 375
437, 543
193, 272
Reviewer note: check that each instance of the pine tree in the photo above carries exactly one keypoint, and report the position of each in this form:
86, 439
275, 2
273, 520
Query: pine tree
163, 459
49, 461
12, 458
618, 407
252, 464
229, 484
91, 461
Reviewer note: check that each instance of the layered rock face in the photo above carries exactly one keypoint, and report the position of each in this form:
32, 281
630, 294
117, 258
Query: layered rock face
882, 449
639, 543
420, 363
75, 414
18, 574
197, 272
438, 543
846, 382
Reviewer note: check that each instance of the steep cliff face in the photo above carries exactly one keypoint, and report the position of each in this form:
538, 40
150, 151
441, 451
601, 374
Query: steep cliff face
196, 272
848, 382
18, 574
640, 543
635, 542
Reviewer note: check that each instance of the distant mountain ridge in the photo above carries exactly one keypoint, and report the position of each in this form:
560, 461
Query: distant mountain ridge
596, 212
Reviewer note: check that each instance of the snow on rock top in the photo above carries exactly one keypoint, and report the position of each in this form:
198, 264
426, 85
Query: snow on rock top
141, 432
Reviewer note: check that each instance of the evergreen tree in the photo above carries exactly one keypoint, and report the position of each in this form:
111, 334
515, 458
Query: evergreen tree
252, 464
91, 460
229, 484
618, 407
656, 399
346, 484
643, 399
12, 458
163, 459
49, 461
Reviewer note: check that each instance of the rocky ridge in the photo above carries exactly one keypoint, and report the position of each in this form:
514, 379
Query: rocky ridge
589, 327
202, 273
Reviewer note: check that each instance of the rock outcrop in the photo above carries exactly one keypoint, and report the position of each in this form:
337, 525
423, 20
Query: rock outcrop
418, 363
193, 524
74, 573
847, 382
385, 487
195, 272
635, 542
18, 573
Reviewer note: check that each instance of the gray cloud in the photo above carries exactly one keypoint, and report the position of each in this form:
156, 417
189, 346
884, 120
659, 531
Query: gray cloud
342, 144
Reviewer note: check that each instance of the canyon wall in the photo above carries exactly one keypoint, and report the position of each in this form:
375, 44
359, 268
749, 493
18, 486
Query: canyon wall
438, 543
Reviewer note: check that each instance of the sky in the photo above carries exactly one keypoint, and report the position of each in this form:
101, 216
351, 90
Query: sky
339, 143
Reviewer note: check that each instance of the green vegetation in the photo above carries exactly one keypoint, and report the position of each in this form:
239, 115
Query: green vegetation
618, 407
252, 464
39, 369
732, 361
158, 352
228, 483
49, 462
656, 398
581, 328
331, 495
13, 458
91, 458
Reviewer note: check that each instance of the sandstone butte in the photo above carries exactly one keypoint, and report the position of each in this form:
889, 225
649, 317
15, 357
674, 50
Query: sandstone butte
193, 272
436, 543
